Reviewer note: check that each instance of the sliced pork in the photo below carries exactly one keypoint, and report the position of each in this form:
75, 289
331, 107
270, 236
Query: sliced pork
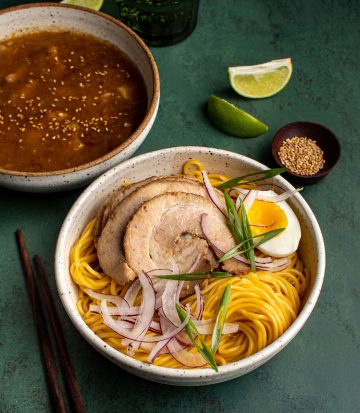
109, 246
167, 229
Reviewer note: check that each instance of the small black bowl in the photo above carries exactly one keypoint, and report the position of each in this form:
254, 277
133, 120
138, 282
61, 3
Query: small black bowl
324, 138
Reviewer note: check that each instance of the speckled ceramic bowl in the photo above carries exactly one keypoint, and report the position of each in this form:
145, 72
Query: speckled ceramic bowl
170, 161
52, 15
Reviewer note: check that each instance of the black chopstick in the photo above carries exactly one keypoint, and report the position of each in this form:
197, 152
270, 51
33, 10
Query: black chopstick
43, 334
40, 324
69, 375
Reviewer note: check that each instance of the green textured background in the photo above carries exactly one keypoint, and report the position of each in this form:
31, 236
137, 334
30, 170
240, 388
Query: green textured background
319, 371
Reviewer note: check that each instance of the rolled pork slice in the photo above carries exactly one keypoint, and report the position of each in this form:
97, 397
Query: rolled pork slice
109, 246
156, 229
119, 194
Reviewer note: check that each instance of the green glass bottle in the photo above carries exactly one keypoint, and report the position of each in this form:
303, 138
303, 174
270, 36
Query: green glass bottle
160, 22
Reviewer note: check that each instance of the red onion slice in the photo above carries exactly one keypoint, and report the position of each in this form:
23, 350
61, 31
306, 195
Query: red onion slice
129, 335
132, 292
161, 345
265, 196
169, 301
195, 264
199, 303
183, 356
178, 351
147, 307
159, 271
250, 199
206, 327
147, 310
158, 283
157, 349
114, 299
178, 292
117, 311
212, 194
147, 301
154, 325
149, 347
237, 202
276, 265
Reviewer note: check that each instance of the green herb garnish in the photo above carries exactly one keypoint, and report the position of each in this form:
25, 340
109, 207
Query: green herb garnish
240, 229
195, 276
204, 350
234, 219
249, 244
262, 176
220, 319
233, 252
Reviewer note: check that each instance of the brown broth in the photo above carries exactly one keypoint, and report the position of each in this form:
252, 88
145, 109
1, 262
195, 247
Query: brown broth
66, 98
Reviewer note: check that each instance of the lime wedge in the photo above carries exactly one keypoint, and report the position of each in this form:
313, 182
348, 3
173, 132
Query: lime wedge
232, 120
90, 4
260, 81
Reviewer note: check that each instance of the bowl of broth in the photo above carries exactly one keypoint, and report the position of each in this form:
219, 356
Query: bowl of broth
79, 93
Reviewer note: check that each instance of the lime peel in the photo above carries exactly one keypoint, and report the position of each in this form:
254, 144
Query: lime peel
232, 120
90, 4
260, 81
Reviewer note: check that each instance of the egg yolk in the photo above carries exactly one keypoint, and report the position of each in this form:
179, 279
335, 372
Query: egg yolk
266, 216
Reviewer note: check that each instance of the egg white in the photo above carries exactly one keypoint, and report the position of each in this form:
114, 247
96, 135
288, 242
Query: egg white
287, 241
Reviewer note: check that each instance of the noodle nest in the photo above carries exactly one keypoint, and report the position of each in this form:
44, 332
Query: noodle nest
264, 304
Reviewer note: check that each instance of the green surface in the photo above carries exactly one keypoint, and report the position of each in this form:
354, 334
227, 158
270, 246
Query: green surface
319, 371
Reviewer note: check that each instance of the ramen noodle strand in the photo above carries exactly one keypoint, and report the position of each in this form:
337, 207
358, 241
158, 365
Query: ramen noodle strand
194, 168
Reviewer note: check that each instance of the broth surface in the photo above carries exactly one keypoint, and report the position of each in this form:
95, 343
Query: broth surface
66, 98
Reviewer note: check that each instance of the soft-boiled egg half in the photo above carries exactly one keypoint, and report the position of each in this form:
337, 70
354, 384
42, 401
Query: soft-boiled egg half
265, 216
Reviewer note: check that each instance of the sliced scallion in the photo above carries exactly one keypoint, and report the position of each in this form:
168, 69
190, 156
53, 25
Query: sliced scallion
261, 176
196, 276
204, 350
220, 318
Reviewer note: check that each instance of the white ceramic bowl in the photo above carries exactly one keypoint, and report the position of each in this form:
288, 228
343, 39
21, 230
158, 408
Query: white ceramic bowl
170, 161
34, 17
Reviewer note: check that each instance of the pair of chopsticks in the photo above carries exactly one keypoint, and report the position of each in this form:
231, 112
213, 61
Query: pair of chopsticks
40, 298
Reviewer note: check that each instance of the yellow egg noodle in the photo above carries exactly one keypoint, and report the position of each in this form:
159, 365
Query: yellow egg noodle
264, 304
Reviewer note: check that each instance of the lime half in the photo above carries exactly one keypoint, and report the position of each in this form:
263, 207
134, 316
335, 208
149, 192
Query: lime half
260, 81
90, 4
232, 120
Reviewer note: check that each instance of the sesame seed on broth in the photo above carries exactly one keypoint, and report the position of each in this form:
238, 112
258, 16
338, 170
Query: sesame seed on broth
66, 98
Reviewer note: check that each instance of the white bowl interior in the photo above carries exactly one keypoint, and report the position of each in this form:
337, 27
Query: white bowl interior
166, 162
